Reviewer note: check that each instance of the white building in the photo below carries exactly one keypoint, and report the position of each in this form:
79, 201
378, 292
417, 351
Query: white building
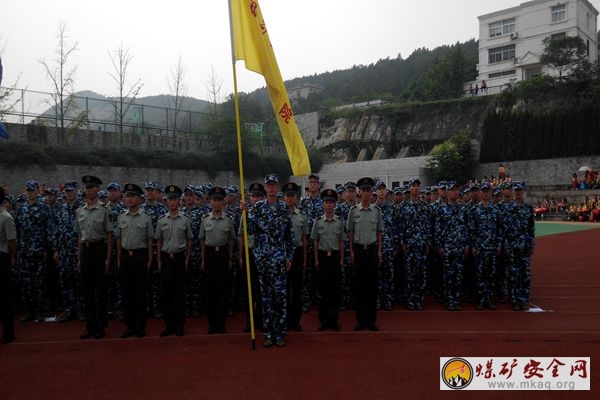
511, 40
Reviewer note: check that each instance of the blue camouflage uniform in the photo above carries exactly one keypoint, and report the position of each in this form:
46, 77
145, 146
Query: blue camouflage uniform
415, 237
155, 210
271, 225
452, 236
313, 209
194, 275
486, 241
520, 236
389, 245
114, 292
33, 239
66, 244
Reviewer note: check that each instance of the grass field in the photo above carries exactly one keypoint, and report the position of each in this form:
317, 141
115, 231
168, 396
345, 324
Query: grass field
553, 228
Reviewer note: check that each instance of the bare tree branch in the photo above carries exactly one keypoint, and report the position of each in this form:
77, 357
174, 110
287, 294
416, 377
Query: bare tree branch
213, 87
61, 76
178, 91
120, 60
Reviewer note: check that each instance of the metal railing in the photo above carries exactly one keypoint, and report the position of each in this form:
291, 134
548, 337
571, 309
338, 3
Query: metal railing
24, 106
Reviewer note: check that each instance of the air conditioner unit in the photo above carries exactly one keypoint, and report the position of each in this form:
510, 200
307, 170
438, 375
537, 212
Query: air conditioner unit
515, 60
514, 36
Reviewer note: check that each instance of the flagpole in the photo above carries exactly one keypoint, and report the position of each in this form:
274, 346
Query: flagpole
242, 185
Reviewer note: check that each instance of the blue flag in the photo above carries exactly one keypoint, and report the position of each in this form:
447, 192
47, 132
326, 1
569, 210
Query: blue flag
3, 131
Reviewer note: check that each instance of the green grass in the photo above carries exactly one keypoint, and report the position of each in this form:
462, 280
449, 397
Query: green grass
549, 228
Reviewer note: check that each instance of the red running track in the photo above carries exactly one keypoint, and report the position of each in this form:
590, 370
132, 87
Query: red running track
48, 361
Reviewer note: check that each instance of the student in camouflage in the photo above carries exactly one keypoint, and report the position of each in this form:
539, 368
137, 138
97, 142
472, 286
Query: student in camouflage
520, 236
34, 238
271, 225
451, 239
66, 253
385, 281
485, 246
415, 238
295, 274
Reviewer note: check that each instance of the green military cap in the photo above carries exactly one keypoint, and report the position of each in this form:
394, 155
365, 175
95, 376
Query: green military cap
217, 192
365, 183
257, 188
290, 187
89, 180
173, 191
132, 188
329, 194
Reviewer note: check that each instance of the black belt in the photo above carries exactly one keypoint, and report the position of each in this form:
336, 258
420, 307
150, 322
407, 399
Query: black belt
329, 253
364, 246
172, 255
93, 244
216, 249
136, 252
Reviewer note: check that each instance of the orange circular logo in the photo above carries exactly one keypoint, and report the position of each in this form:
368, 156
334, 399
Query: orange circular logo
457, 373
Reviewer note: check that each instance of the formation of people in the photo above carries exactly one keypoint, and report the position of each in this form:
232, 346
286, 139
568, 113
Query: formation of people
171, 253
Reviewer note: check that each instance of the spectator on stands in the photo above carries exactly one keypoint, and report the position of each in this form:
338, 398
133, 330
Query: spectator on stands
476, 90
574, 181
501, 172
563, 206
483, 87
572, 213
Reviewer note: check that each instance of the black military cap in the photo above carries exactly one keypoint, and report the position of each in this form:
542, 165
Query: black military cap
217, 192
257, 188
329, 194
173, 191
132, 188
365, 183
290, 187
90, 180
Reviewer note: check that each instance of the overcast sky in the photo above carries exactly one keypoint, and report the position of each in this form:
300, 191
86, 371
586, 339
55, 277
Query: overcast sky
308, 36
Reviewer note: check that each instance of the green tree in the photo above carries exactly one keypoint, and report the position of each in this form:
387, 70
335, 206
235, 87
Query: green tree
453, 159
565, 53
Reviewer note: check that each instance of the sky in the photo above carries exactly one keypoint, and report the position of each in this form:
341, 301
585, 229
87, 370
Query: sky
308, 37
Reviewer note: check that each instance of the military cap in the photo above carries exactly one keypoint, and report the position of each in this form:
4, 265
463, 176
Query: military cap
217, 192
414, 181
506, 185
443, 185
329, 194
271, 178
452, 185
190, 189
102, 194
427, 190
113, 185
474, 187
485, 186
32, 185
340, 189
198, 190
434, 189
397, 190
257, 188
350, 185
159, 188
132, 188
70, 185
290, 187
89, 180
518, 185
52, 190
496, 191
150, 185
365, 183
405, 189
208, 186
173, 191
313, 175
379, 184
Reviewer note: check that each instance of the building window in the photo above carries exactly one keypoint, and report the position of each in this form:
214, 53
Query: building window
559, 13
499, 54
501, 28
503, 73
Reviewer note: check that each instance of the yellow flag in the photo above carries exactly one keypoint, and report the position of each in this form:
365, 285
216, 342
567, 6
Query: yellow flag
250, 42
